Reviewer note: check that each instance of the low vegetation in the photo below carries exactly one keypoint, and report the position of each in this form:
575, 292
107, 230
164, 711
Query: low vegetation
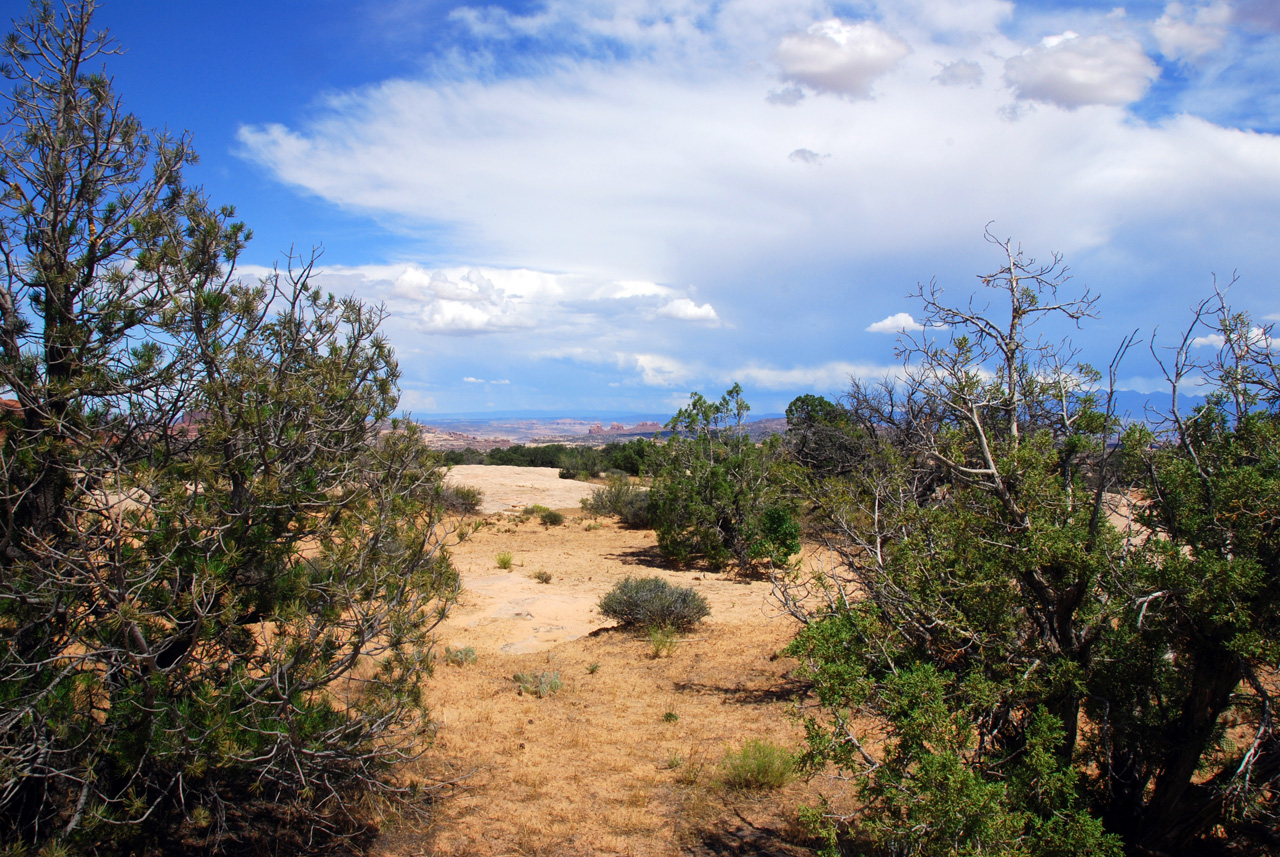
460, 499
757, 765
651, 602
459, 657
505, 560
621, 498
540, 684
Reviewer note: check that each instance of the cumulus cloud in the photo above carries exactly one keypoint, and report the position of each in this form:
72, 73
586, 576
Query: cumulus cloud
838, 57
686, 310
896, 323
1073, 71
660, 161
959, 73
1189, 32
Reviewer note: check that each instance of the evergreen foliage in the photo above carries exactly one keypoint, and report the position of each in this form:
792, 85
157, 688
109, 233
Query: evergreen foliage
218, 579
1043, 680
717, 496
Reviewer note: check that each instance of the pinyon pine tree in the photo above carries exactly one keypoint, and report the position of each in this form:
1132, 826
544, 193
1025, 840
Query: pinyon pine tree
217, 575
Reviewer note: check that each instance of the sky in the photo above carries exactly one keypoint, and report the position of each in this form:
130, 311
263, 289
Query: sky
592, 206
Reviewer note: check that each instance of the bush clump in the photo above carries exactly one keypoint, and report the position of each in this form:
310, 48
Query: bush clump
628, 502
461, 499
651, 602
459, 657
551, 518
757, 765
539, 684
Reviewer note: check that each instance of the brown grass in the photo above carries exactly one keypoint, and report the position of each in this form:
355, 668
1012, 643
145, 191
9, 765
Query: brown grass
595, 768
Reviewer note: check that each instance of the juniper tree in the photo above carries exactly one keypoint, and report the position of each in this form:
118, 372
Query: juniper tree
1048, 632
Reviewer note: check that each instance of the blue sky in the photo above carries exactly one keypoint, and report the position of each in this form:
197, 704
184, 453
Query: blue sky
577, 206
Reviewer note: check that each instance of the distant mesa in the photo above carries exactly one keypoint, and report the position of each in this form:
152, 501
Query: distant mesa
619, 428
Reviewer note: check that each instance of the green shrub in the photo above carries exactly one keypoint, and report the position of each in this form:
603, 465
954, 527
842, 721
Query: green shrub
505, 559
649, 602
461, 499
757, 765
459, 657
713, 487
535, 509
539, 684
550, 518
541, 576
593, 668
630, 503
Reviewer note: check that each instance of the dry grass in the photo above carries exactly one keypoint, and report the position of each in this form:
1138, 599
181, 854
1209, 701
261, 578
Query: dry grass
596, 768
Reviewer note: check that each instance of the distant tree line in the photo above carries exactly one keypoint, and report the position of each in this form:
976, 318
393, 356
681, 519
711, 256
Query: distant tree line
634, 458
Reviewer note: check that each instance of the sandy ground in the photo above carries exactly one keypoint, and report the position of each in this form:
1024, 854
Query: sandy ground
510, 489
627, 757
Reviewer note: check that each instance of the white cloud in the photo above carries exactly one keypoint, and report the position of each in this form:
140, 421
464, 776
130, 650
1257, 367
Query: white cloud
1189, 32
834, 56
658, 370
1258, 336
896, 323
1073, 71
686, 310
1214, 340
960, 73
575, 187
468, 379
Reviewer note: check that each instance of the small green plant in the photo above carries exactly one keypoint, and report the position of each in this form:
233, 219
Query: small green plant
649, 602
530, 511
551, 518
593, 668
670, 717
540, 684
593, 526
663, 640
674, 760
541, 576
459, 657
505, 559
756, 766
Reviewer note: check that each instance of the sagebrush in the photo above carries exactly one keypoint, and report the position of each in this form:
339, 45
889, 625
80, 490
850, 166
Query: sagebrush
651, 602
